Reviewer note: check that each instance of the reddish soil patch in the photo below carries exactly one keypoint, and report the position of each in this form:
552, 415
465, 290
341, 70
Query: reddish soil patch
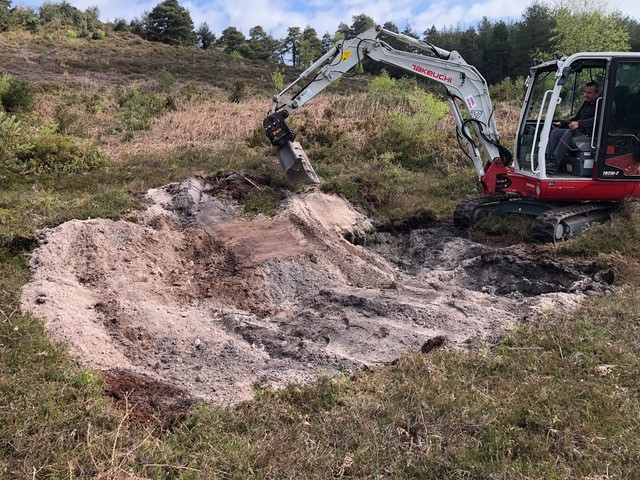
146, 399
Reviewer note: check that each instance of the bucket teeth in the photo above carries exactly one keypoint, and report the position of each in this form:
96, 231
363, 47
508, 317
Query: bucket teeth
295, 163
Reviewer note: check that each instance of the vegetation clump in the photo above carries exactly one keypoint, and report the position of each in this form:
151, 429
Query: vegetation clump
27, 149
15, 94
48, 151
137, 109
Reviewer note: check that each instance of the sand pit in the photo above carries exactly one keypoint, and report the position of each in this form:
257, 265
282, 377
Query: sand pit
195, 296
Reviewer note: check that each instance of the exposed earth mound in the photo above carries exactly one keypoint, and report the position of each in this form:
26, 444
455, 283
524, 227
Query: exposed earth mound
195, 296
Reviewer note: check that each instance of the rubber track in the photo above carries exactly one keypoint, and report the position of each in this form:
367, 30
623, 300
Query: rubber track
544, 226
463, 214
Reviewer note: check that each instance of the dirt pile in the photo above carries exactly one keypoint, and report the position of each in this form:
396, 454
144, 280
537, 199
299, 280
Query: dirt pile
195, 296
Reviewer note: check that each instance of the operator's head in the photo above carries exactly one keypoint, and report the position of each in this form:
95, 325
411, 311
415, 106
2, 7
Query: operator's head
592, 91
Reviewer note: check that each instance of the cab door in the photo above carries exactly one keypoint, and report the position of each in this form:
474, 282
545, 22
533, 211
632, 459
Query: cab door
532, 118
620, 155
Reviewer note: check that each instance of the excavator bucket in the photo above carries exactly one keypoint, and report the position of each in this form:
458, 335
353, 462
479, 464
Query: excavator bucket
295, 163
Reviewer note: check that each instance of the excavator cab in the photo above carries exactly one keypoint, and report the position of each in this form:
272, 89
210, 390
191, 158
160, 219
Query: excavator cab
611, 149
602, 165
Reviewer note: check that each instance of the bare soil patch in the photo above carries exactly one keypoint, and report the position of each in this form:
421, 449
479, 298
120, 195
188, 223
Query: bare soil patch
209, 303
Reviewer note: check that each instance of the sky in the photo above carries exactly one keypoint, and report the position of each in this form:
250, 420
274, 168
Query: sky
325, 16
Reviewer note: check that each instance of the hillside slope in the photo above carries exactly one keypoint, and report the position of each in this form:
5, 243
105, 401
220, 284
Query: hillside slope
121, 58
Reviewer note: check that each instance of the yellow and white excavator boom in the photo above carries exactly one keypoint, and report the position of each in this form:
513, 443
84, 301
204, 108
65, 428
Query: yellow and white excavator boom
462, 82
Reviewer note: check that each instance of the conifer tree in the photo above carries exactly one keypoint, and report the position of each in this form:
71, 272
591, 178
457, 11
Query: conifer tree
170, 23
205, 36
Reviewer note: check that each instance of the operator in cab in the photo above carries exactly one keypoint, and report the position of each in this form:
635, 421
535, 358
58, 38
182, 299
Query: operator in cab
560, 137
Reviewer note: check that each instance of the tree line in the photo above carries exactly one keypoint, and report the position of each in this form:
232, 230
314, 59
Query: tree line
499, 49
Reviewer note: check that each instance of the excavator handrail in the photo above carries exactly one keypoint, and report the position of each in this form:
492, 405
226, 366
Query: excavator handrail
534, 154
595, 122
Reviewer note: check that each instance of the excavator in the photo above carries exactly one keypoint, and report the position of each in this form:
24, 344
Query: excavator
602, 166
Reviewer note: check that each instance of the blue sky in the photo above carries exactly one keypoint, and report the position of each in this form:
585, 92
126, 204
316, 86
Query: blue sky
276, 16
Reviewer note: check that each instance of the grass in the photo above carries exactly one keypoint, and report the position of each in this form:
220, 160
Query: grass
503, 229
557, 398
617, 236
553, 400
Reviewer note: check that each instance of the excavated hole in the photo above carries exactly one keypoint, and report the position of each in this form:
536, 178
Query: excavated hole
507, 274
193, 297
497, 271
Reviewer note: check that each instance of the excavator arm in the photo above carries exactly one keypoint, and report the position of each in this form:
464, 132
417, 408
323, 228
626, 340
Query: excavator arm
462, 82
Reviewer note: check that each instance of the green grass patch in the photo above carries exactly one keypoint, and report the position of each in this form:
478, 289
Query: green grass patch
505, 229
27, 206
388, 191
55, 421
264, 201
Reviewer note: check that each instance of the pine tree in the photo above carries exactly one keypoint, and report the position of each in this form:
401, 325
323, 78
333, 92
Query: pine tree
291, 44
260, 45
205, 36
231, 40
531, 38
310, 47
361, 23
5, 14
170, 23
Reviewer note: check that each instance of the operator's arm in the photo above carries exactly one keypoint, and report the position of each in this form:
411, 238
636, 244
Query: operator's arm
583, 120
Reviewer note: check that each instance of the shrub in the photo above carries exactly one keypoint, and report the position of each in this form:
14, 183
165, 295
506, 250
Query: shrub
409, 129
32, 22
50, 152
137, 109
98, 34
382, 83
166, 79
239, 91
508, 90
278, 79
10, 132
65, 118
391, 92
120, 25
15, 94
192, 91
93, 103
